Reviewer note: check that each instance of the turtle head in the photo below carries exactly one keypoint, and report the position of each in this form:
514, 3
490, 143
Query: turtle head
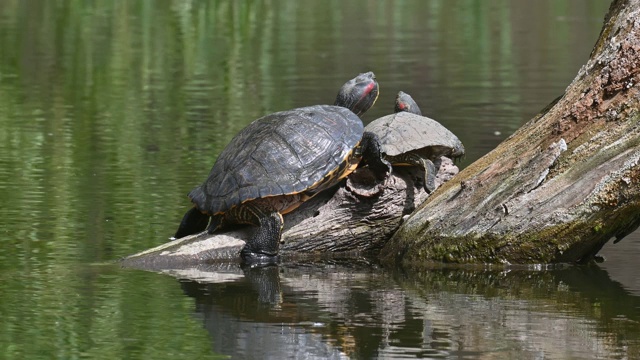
404, 102
457, 152
359, 94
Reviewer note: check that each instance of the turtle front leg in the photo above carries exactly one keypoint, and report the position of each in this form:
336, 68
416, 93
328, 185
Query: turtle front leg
427, 167
429, 174
262, 248
373, 156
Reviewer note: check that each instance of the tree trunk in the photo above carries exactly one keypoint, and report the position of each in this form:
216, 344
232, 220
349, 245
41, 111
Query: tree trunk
555, 191
560, 187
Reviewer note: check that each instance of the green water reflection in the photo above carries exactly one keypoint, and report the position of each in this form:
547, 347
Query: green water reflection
366, 312
111, 111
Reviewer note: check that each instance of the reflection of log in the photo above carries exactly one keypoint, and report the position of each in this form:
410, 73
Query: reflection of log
357, 218
352, 303
561, 186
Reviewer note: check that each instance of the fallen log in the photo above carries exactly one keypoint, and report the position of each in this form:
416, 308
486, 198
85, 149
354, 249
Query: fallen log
357, 218
555, 191
560, 187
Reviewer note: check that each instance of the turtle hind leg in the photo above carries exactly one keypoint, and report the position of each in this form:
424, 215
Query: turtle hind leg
193, 222
262, 248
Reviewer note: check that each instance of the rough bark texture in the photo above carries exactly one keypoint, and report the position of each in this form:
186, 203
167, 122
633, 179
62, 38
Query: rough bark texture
359, 217
561, 186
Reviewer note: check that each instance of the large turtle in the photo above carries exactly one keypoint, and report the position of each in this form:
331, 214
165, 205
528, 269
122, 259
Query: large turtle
281, 160
409, 139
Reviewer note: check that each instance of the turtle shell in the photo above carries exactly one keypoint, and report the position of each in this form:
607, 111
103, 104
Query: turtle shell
282, 153
405, 132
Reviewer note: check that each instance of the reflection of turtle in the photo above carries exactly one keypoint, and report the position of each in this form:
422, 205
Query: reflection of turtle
408, 139
281, 160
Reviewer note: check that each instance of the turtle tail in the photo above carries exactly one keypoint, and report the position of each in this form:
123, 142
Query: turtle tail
193, 222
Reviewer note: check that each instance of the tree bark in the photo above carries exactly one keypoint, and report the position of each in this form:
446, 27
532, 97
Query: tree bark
560, 187
555, 191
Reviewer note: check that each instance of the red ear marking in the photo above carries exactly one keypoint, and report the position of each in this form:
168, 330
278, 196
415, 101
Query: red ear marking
370, 87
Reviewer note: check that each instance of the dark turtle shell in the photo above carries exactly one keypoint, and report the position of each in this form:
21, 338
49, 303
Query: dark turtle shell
282, 153
404, 132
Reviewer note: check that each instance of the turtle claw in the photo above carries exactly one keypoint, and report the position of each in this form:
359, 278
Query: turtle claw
257, 259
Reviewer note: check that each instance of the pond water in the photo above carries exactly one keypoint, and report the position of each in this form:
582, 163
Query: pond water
111, 111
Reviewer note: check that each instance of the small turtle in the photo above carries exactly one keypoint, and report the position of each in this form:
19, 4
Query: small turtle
409, 139
281, 160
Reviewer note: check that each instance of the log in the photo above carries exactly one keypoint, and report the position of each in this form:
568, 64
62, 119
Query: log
560, 187
355, 219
